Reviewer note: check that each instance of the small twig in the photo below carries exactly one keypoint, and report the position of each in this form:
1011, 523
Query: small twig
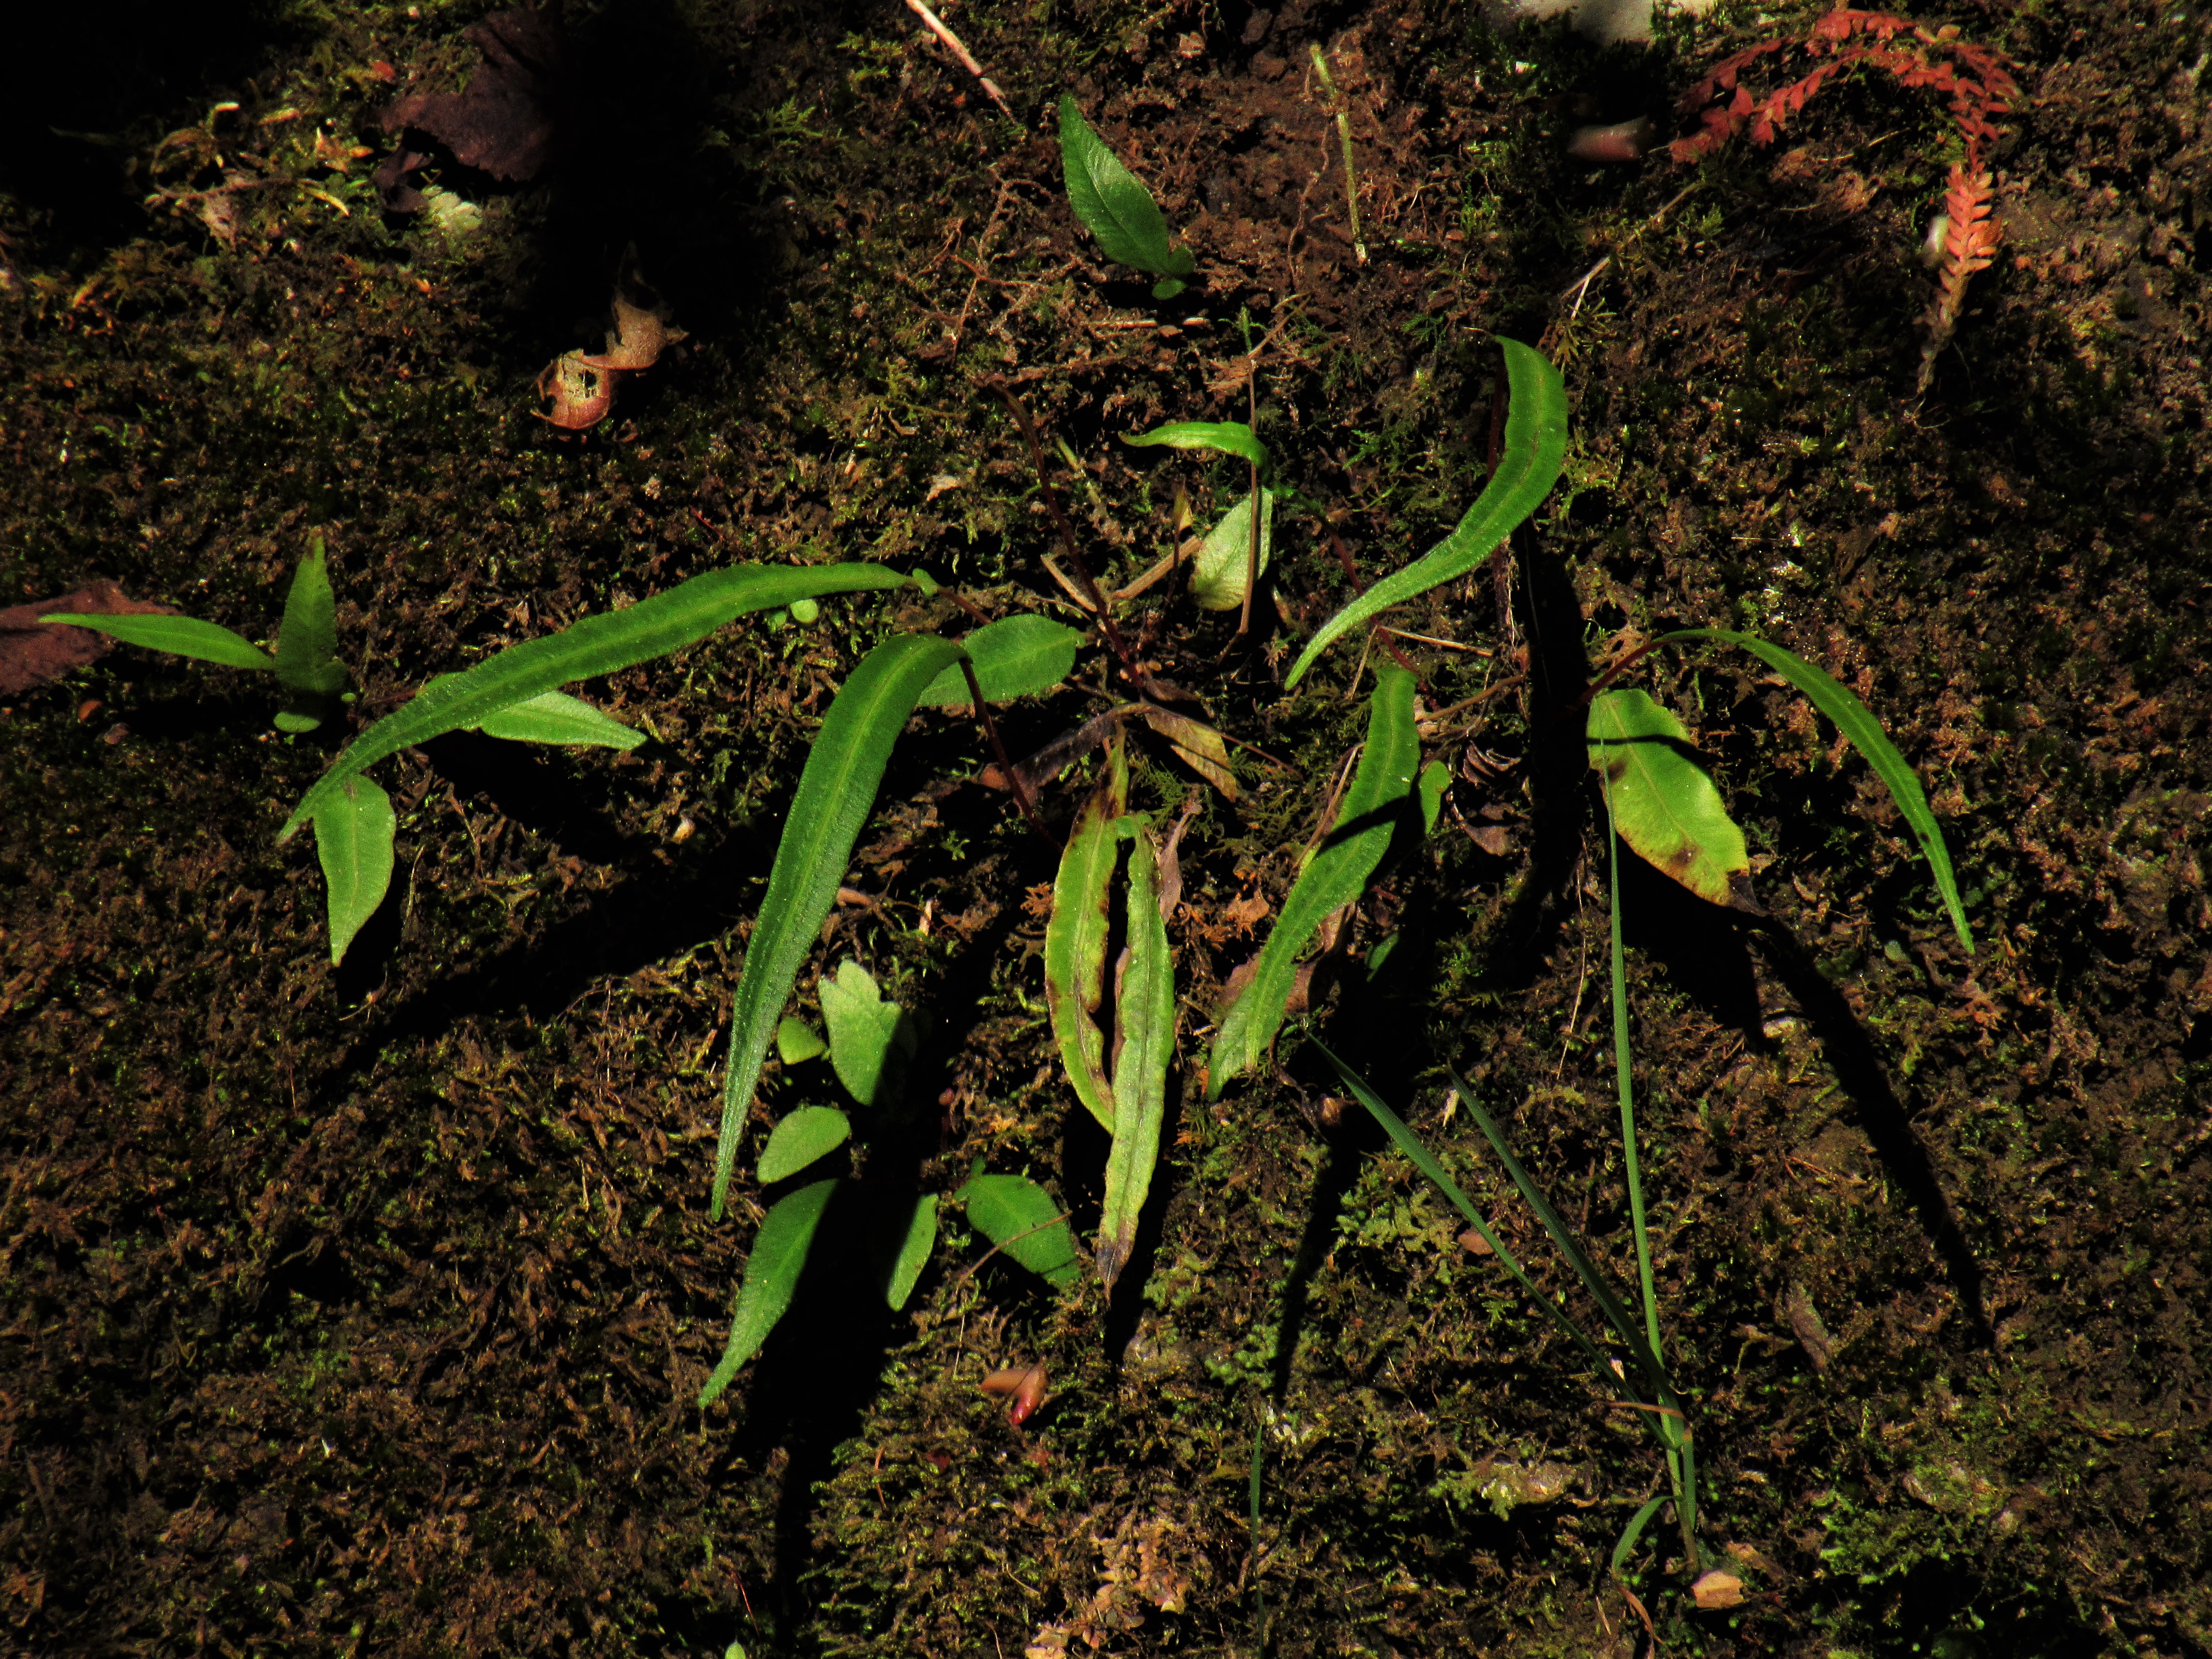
1252, 407
936, 27
1059, 519
1431, 639
1014, 781
1343, 132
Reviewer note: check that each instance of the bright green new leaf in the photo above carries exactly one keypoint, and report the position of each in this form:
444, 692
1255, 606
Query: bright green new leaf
1338, 873
870, 1039
772, 1271
1075, 938
556, 717
1014, 657
1856, 722
836, 792
796, 1041
180, 637
1114, 205
308, 641
602, 644
1527, 467
913, 1252
1021, 1218
1217, 575
1144, 1043
1663, 804
354, 830
1230, 437
809, 1132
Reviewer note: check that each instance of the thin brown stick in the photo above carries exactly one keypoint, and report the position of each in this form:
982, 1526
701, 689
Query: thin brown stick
1059, 519
936, 27
1014, 781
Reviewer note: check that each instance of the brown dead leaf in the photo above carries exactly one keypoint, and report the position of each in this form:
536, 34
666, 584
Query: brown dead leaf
1197, 744
1717, 1588
580, 393
31, 654
504, 121
636, 339
1247, 913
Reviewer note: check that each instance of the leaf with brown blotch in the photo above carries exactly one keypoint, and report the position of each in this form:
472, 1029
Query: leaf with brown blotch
504, 121
580, 393
32, 653
1197, 744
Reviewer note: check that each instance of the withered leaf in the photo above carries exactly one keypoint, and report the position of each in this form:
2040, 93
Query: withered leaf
31, 654
504, 121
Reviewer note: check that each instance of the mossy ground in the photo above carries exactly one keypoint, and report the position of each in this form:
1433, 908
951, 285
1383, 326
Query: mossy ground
362, 1311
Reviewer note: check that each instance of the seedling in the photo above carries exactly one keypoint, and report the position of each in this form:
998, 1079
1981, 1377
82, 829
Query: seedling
305, 662
1116, 207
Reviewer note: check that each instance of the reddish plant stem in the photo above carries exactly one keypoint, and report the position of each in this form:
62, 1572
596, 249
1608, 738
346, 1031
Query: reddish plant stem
1014, 781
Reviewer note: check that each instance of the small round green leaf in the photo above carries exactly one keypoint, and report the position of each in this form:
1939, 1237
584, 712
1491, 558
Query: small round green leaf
1021, 1217
871, 1039
809, 1132
796, 1041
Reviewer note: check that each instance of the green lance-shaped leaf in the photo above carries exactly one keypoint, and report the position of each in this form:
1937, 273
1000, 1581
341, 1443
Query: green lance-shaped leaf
1527, 467
1663, 804
1022, 1219
1075, 937
354, 830
1337, 874
603, 644
1114, 205
180, 637
1014, 657
772, 1271
1230, 437
836, 791
913, 1252
308, 640
810, 1133
1144, 1041
558, 718
1856, 722
1218, 573
870, 1039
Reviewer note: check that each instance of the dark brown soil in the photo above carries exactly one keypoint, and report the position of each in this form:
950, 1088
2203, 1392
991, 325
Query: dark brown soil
362, 1311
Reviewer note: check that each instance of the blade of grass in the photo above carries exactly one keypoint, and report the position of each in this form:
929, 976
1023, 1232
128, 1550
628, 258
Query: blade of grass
1144, 1041
1527, 467
598, 645
1369, 815
180, 637
1075, 938
836, 792
1856, 722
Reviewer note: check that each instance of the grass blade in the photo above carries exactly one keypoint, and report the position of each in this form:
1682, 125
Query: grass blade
180, 637
1370, 813
308, 640
1014, 657
558, 718
836, 792
772, 1271
1075, 938
602, 644
1230, 437
1020, 1218
1114, 204
353, 831
804, 1136
1144, 1041
1856, 722
1527, 467
1661, 801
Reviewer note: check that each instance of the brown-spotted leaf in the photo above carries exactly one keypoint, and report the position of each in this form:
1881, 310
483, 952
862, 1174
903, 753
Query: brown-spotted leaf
1662, 804
1197, 744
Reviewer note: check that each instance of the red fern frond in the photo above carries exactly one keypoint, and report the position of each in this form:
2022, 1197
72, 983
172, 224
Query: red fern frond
1969, 245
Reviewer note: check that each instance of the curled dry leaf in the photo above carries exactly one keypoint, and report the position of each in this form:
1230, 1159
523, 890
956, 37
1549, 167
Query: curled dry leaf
504, 121
1025, 1384
636, 339
1716, 1589
581, 394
